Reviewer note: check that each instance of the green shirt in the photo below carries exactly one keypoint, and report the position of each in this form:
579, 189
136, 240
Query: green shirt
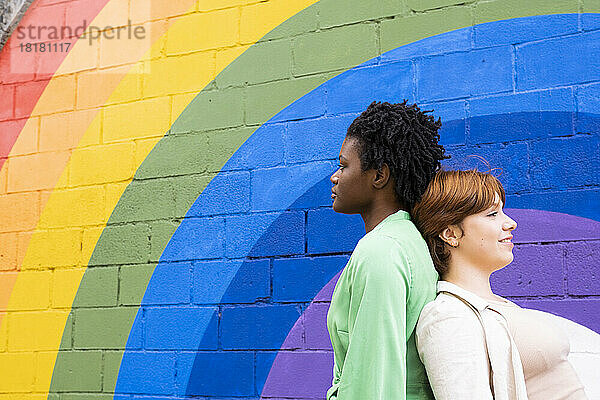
374, 311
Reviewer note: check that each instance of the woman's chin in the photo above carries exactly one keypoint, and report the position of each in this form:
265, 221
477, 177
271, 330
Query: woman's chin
335, 206
505, 263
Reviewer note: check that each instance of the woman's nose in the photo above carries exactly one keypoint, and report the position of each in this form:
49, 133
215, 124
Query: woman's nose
334, 178
510, 224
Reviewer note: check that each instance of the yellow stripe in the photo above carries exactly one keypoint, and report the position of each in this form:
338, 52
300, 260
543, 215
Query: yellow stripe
108, 153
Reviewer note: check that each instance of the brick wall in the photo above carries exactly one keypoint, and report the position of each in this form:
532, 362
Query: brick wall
165, 220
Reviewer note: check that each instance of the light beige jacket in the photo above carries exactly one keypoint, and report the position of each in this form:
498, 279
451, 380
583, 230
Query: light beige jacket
451, 339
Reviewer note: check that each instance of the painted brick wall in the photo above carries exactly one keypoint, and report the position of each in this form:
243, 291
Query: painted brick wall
165, 220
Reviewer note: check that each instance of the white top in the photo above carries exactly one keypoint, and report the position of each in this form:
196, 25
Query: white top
544, 349
451, 342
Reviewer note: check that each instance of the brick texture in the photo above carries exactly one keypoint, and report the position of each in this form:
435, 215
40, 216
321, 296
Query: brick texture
169, 220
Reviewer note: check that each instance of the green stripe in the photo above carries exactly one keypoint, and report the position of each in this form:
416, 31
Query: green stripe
212, 128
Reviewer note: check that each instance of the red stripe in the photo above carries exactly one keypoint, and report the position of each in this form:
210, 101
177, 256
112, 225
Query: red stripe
25, 75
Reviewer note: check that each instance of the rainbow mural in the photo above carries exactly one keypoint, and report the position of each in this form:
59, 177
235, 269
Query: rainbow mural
165, 223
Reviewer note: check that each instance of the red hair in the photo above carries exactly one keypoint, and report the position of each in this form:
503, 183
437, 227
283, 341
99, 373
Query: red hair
451, 197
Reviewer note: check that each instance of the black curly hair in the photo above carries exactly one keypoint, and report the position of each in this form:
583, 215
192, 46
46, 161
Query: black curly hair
406, 139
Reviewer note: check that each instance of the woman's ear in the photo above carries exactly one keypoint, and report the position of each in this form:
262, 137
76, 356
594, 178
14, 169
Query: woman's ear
382, 176
450, 235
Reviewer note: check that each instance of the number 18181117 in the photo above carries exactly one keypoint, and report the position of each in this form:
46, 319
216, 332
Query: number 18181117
44, 47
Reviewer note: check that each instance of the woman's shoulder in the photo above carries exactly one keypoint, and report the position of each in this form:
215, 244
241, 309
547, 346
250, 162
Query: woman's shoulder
377, 250
445, 308
446, 321
445, 302
376, 240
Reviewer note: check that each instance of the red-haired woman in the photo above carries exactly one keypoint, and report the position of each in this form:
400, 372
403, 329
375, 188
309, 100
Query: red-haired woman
473, 343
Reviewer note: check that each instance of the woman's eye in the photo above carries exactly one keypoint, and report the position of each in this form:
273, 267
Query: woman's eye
493, 214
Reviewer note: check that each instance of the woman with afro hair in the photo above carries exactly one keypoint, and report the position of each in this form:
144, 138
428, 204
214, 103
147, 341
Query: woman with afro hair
388, 157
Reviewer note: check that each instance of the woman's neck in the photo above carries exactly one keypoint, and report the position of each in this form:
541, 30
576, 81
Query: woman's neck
472, 278
381, 208
376, 215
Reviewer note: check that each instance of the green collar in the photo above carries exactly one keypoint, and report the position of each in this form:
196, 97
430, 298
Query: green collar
397, 216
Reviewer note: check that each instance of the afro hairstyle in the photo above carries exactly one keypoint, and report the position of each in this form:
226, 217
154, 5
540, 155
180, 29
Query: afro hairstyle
406, 139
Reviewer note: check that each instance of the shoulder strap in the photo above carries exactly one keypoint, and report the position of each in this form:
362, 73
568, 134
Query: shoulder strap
487, 353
